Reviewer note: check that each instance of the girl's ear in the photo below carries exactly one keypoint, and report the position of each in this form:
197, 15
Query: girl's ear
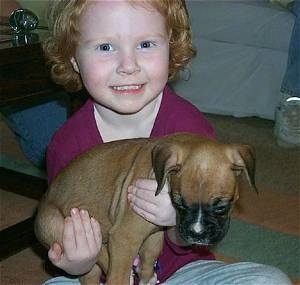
74, 64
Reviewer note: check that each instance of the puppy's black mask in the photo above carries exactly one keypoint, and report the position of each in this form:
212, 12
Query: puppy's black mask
202, 224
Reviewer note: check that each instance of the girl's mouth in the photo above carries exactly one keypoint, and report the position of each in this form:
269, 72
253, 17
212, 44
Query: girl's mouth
131, 87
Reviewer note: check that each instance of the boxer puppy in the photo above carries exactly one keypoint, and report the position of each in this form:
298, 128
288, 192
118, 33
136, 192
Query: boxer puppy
204, 177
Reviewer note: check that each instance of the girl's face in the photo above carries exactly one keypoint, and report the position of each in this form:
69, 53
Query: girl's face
123, 55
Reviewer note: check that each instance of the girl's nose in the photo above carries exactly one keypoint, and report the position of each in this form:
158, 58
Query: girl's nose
128, 63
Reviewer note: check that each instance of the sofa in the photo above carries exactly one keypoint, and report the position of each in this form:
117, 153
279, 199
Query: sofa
242, 54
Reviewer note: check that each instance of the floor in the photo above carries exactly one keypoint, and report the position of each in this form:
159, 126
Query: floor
12, 269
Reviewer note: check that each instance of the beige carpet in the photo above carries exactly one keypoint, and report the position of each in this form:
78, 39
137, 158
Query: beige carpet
26, 267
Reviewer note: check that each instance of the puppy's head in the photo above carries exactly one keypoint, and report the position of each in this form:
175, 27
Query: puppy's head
204, 178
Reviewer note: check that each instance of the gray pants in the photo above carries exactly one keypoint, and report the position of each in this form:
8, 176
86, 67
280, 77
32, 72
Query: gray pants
214, 272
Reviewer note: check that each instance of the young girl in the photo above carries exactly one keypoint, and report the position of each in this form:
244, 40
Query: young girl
124, 53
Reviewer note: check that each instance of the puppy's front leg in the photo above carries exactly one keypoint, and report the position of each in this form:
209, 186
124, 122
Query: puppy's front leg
149, 253
92, 277
121, 255
125, 240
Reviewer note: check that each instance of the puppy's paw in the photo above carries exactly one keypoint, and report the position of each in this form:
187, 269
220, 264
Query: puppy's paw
131, 278
152, 281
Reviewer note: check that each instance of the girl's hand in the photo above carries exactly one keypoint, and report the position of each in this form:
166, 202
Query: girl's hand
155, 209
81, 244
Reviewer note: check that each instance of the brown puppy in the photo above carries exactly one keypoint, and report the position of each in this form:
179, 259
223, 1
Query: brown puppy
204, 179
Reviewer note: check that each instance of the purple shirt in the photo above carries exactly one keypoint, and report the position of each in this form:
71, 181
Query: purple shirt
80, 133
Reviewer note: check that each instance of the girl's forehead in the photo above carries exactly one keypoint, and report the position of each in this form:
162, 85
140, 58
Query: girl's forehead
135, 4
105, 15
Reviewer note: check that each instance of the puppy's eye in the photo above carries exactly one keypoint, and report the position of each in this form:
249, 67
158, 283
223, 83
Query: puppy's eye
221, 207
237, 169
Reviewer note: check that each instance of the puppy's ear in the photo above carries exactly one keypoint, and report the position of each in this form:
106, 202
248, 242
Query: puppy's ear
165, 159
244, 164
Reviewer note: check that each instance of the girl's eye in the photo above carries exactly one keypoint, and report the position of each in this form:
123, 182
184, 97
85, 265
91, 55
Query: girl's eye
146, 44
105, 47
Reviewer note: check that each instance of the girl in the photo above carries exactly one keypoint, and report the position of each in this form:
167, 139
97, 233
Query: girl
124, 53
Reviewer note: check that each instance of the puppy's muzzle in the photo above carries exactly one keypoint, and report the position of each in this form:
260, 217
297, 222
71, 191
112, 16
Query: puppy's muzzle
203, 224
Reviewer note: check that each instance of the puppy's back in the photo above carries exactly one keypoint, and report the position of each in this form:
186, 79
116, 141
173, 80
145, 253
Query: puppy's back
93, 181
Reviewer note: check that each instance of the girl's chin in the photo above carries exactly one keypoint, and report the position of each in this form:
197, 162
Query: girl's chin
128, 107
129, 111
122, 106
123, 109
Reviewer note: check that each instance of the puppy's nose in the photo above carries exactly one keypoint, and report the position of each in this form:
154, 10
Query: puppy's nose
197, 228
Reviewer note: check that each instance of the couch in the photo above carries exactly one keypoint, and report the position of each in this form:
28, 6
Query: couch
242, 53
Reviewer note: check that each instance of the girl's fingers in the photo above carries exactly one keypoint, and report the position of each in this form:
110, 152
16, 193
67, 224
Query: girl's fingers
88, 228
146, 184
79, 231
147, 215
55, 253
69, 241
97, 232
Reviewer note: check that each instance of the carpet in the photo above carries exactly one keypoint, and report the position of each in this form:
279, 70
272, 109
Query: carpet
265, 229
